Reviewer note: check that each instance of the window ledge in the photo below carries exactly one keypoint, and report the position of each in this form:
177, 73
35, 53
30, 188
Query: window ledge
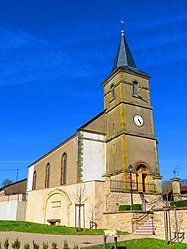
136, 95
111, 100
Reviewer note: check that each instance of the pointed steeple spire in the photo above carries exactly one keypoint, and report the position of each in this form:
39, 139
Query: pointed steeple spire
123, 57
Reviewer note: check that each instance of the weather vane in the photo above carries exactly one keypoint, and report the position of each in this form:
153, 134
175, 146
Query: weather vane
122, 26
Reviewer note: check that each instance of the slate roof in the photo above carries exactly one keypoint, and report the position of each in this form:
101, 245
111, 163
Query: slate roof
123, 57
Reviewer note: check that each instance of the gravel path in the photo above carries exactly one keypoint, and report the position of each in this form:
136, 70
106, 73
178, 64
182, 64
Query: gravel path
81, 240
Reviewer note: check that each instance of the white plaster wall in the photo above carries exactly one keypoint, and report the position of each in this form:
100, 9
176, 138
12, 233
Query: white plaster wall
30, 178
38, 199
8, 210
94, 156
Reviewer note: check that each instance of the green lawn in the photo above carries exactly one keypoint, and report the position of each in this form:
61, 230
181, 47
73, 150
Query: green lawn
143, 244
29, 227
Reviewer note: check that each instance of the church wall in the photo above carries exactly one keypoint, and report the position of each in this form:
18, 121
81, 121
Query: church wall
59, 203
114, 124
141, 150
96, 125
94, 156
30, 177
109, 102
131, 111
114, 155
143, 86
125, 91
55, 158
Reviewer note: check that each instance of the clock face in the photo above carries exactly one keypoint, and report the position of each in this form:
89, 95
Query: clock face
138, 120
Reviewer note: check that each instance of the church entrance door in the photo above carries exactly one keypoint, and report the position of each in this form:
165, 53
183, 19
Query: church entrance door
142, 178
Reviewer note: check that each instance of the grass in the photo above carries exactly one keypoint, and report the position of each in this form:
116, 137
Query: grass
30, 227
142, 244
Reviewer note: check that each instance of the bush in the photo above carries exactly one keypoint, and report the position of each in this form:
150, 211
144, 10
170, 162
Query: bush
26, 246
75, 246
172, 203
54, 245
35, 246
136, 207
6, 244
182, 203
16, 244
65, 245
124, 207
45, 245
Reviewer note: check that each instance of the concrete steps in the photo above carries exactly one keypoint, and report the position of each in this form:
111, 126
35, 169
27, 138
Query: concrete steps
148, 228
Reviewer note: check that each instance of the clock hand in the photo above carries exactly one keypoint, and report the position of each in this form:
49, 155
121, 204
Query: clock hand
139, 121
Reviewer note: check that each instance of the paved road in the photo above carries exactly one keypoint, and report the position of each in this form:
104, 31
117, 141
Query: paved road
81, 240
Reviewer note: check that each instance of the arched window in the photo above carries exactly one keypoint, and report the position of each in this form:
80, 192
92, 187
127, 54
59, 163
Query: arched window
64, 169
34, 180
112, 91
47, 175
135, 88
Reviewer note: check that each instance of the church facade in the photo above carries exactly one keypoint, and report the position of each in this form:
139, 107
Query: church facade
109, 160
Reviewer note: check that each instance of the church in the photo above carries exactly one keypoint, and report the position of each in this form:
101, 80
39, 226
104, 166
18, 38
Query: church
111, 160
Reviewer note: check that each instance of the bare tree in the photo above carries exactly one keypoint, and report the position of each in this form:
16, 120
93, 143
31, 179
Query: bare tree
80, 197
167, 190
6, 182
93, 216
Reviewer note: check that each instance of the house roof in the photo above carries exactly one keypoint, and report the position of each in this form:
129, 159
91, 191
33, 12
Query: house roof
183, 188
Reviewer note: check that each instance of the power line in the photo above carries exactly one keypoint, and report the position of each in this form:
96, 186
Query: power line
16, 161
9, 169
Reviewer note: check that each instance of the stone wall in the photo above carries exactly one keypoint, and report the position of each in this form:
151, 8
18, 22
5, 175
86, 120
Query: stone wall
120, 220
114, 199
181, 214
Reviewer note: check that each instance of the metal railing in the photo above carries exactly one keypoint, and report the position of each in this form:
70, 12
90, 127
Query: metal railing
138, 221
123, 186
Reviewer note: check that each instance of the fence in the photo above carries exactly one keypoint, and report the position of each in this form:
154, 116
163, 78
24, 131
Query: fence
125, 186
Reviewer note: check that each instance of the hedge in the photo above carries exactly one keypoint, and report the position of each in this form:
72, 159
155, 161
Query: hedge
182, 203
136, 207
130, 207
124, 207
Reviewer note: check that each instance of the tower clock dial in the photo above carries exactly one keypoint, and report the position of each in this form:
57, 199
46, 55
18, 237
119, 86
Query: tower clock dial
138, 120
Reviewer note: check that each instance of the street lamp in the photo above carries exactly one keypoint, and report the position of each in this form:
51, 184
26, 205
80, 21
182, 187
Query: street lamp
130, 169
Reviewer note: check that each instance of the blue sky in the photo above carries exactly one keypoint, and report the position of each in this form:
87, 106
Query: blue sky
53, 57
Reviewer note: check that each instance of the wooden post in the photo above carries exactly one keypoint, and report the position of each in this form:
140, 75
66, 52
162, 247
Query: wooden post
169, 223
166, 226
176, 223
84, 216
104, 245
75, 216
115, 242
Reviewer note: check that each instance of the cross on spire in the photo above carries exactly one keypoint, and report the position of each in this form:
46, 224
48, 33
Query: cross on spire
122, 26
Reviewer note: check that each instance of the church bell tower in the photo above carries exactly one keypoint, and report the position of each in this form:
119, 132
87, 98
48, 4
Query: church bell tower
130, 138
